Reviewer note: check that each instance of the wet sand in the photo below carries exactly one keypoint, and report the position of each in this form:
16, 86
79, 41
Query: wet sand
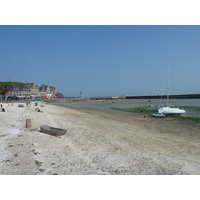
96, 142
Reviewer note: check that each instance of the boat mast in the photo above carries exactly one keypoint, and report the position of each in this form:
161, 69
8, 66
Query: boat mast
168, 86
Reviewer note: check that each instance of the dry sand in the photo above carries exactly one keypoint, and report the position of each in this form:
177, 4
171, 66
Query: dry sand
96, 142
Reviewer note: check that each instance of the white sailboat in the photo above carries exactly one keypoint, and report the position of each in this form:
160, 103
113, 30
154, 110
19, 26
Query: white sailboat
169, 110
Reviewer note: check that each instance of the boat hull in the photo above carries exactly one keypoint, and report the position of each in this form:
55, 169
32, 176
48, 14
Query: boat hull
52, 130
171, 111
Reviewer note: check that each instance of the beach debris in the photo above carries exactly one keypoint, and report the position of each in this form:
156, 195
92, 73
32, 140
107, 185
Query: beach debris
38, 163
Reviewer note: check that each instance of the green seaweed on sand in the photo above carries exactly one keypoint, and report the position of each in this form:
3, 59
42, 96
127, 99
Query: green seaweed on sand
149, 111
192, 108
187, 118
145, 110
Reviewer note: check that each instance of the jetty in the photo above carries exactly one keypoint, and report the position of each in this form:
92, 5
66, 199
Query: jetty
171, 96
176, 96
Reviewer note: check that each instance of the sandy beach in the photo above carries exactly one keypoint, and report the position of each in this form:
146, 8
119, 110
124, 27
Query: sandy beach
97, 142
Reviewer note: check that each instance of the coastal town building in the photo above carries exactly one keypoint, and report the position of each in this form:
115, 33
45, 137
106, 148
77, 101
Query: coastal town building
19, 91
47, 91
32, 91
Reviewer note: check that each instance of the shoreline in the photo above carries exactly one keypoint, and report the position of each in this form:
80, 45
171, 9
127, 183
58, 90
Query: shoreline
96, 142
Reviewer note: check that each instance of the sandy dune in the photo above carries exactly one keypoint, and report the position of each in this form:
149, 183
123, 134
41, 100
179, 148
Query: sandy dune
96, 142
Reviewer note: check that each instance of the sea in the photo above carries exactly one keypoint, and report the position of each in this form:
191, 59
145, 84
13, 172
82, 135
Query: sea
132, 103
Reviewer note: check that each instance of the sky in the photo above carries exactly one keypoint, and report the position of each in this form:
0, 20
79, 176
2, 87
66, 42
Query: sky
102, 60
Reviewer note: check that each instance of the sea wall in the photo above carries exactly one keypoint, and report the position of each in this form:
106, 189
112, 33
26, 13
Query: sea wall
178, 96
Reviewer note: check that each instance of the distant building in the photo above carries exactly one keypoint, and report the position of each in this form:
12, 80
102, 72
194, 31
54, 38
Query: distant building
47, 91
19, 91
32, 91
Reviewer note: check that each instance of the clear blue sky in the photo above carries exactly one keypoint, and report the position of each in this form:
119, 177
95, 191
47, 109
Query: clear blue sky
102, 60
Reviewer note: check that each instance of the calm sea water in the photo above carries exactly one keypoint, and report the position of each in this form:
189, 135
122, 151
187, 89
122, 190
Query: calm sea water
131, 103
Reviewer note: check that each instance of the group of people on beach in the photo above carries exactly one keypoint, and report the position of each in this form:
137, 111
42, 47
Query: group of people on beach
37, 109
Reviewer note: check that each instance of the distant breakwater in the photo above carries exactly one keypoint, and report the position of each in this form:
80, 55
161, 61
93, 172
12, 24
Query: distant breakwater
176, 96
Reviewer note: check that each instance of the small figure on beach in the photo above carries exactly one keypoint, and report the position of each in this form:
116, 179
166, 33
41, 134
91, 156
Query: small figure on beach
38, 110
1, 105
144, 116
2, 110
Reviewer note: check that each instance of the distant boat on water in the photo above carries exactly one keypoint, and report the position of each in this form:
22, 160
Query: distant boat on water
169, 110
